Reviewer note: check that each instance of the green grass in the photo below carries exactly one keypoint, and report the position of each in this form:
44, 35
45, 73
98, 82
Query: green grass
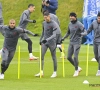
28, 68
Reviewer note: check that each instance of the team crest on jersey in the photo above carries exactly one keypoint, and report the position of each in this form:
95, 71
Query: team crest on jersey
50, 27
76, 26
14, 33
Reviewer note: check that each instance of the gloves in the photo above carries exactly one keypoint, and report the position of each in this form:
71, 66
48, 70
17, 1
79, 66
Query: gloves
34, 21
36, 35
44, 41
61, 40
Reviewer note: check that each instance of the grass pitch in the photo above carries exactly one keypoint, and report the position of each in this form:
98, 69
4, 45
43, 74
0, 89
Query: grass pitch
28, 69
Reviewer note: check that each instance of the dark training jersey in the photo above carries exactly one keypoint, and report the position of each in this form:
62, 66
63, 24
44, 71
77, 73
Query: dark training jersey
49, 31
96, 27
55, 18
24, 19
74, 31
11, 36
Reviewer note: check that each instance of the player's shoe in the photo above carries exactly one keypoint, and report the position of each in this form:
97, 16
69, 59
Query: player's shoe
79, 69
38, 75
33, 58
54, 75
98, 73
76, 73
1, 76
62, 57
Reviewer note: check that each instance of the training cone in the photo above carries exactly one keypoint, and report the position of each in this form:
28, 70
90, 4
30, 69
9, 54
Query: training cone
85, 82
93, 59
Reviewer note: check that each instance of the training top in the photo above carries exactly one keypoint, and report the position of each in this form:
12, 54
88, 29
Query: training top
96, 27
74, 31
11, 36
24, 19
55, 18
49, 31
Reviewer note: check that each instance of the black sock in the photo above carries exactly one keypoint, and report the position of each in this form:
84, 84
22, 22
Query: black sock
3, 68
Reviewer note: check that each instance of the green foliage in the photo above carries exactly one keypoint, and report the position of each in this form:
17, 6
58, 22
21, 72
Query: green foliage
14, 8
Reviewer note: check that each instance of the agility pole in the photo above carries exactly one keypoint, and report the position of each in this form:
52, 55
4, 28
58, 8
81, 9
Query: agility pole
63, 56
87, 60
19, 62
40, 62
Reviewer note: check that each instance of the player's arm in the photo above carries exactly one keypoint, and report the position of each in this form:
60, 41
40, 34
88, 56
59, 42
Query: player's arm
42, 35
2, 29
83, 30
28, 20
67, 34
88, 31
53, 35
29, 32
90, 28
20, 30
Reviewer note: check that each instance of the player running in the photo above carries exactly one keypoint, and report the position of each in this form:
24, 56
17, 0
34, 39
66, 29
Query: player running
48, 40
58, 36
75, 28
10, 42
24, 19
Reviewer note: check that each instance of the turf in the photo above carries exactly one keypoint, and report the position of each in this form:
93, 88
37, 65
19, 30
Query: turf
28, 69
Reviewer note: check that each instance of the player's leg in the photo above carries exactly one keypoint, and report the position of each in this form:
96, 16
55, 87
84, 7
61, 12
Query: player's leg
7, 57
5, 54
43, 51
53, 54
70, 53
2, 32
99, 57
10, 57
95, 49
76, 52
0, 53
28, 40
32, 57
98, 71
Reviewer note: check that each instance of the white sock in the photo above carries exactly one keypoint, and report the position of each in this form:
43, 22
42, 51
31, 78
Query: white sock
30, 54
54, 72
1, 51
58, 46
79, 67
41, 71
